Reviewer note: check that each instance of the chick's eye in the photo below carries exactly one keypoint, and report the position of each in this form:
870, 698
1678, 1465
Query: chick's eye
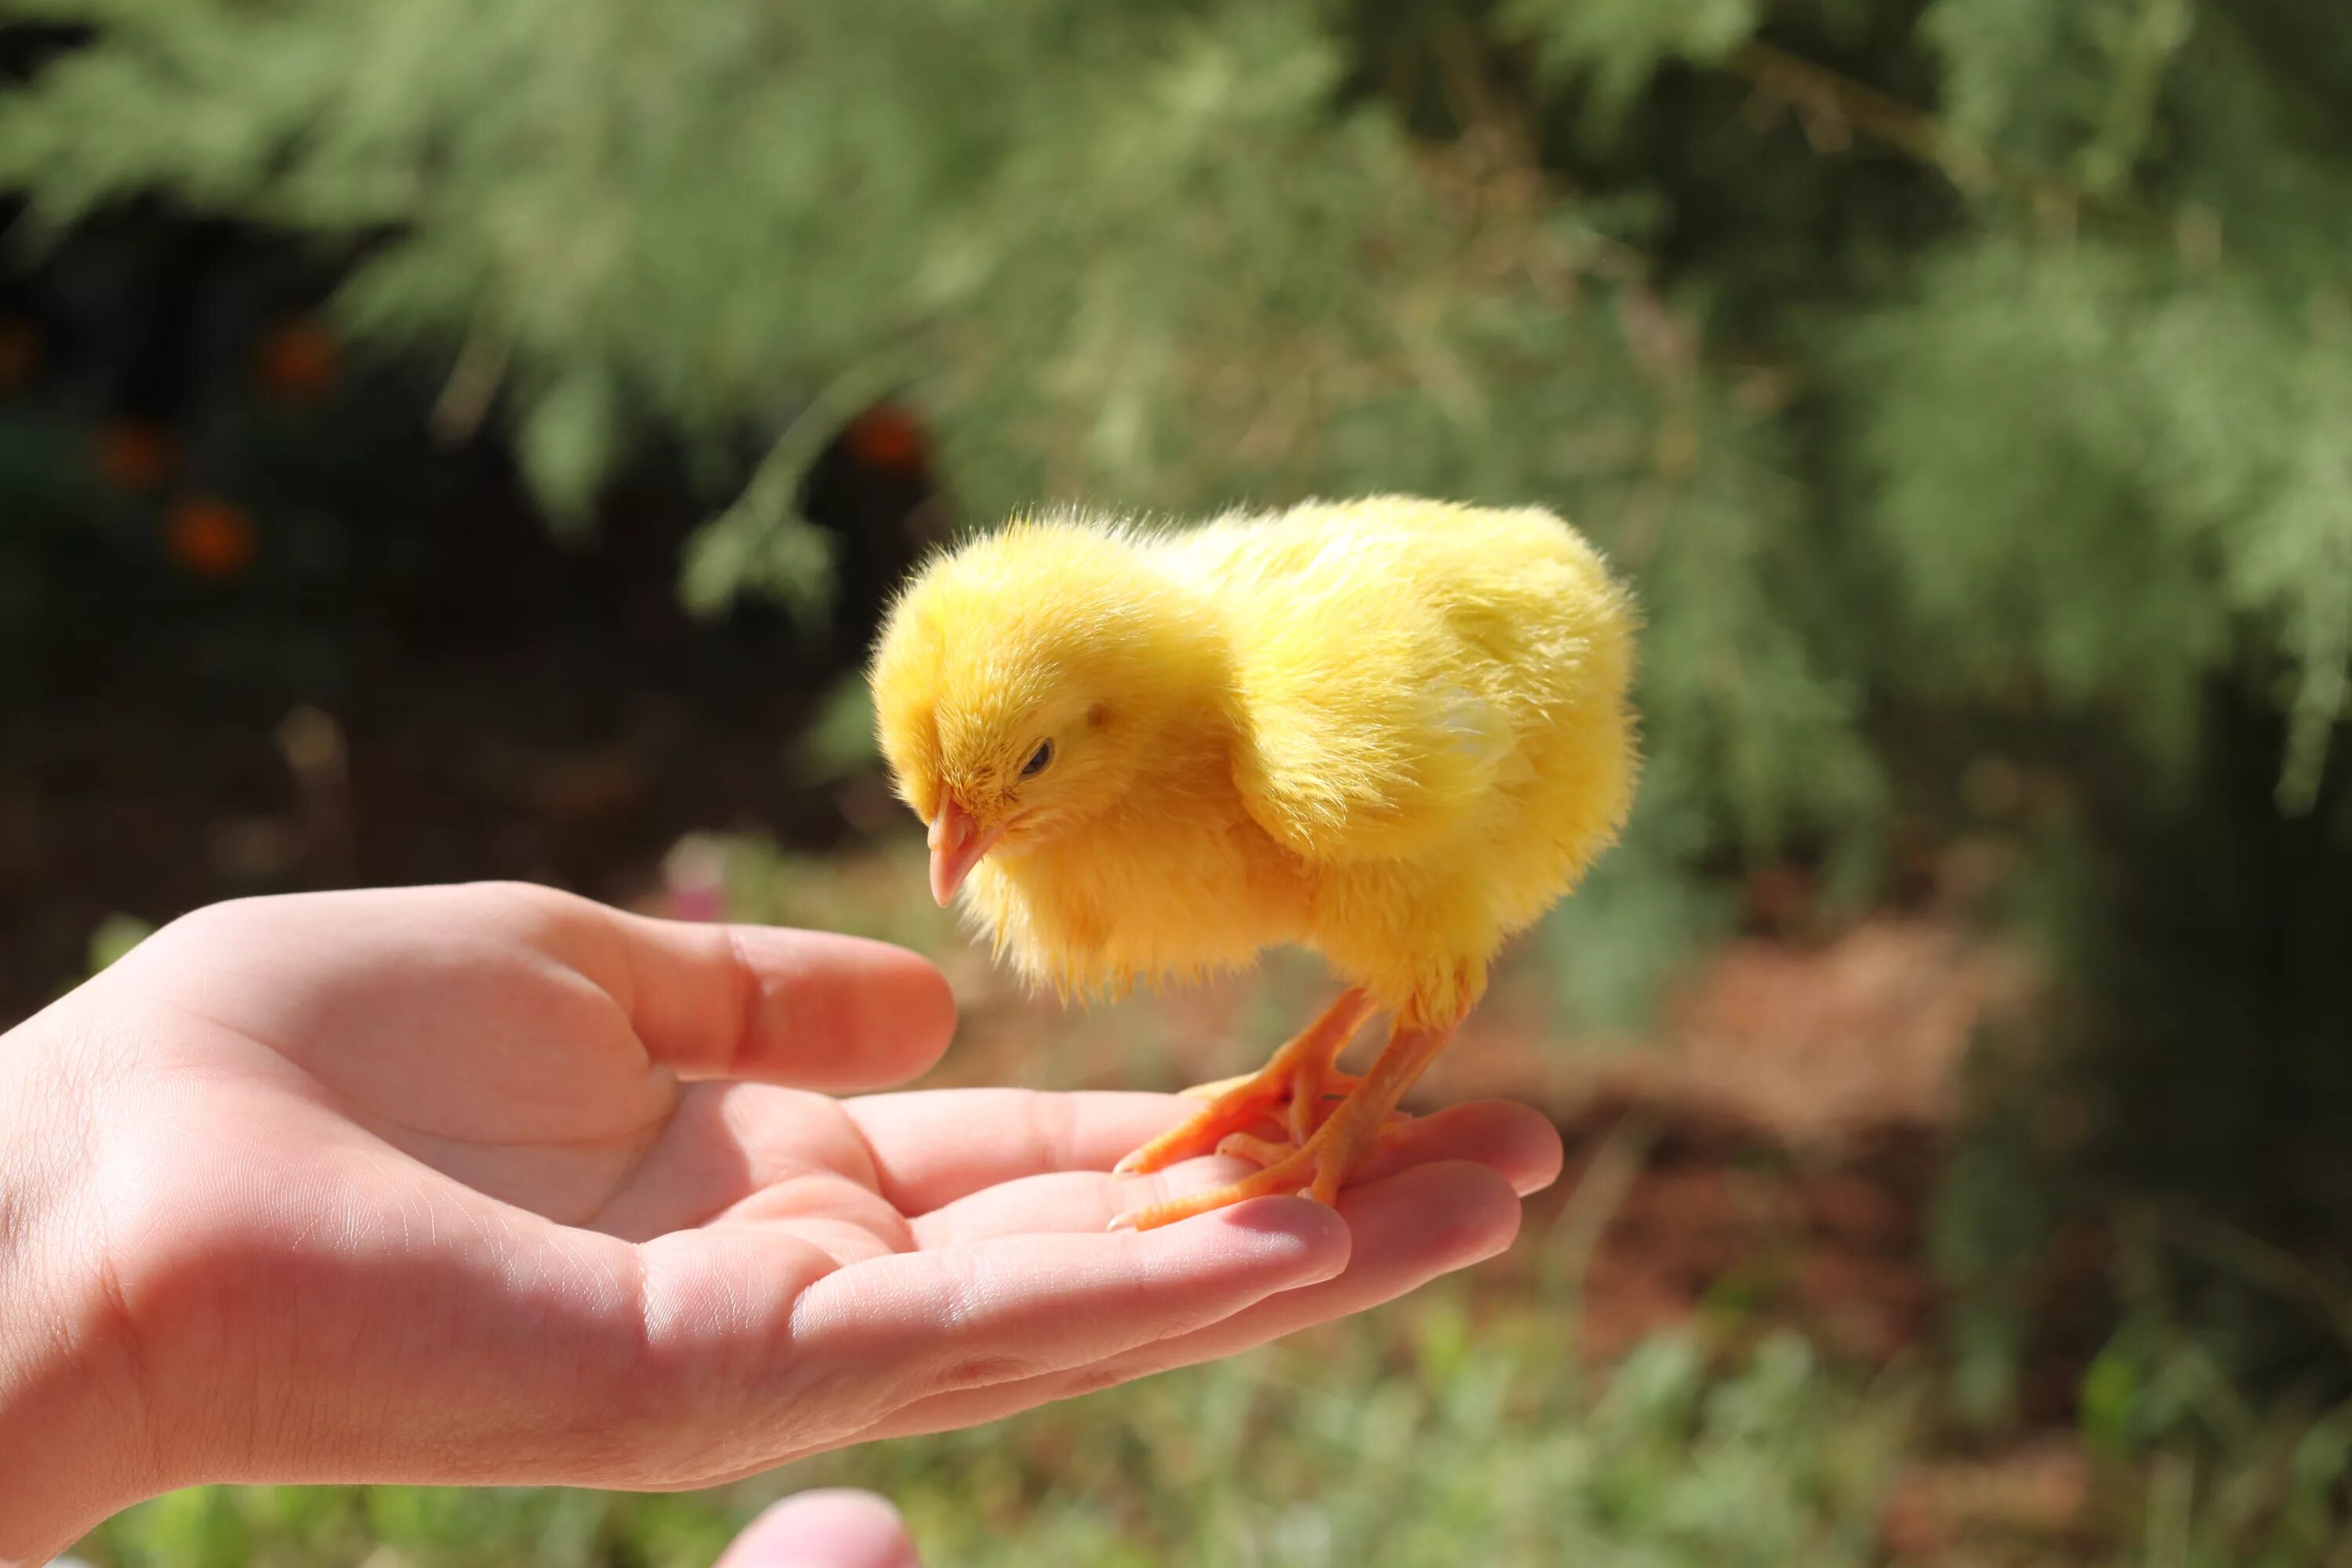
1037, 760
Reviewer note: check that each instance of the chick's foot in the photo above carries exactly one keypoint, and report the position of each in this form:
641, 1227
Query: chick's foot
1291, 1089
1316, 1170
1320, 1164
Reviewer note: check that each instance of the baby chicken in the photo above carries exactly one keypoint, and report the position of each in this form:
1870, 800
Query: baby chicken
1394, 731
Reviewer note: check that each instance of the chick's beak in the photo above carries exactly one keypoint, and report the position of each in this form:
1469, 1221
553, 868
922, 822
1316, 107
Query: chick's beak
957, 844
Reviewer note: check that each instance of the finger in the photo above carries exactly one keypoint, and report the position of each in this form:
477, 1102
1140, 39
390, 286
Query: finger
828, 1528
1408, 1229
881, 1334
1519, 1144
804, 1008
932, 1147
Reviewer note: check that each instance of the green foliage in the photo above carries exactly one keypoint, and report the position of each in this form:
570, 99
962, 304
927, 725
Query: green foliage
1150, 257
2225, 489
1619, 44
2071, 86
839, 742
2164, 389
2162, 1393
116, 935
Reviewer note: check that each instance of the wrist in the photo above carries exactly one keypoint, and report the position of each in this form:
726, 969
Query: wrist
73, 1425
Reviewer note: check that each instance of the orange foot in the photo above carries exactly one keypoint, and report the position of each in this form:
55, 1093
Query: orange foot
1291, 1089
1318, 1169
1320, 1164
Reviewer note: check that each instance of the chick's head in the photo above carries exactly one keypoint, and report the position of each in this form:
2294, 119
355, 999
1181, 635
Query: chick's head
1022, 683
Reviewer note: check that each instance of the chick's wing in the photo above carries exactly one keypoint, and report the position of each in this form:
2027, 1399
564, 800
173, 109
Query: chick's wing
1368, 728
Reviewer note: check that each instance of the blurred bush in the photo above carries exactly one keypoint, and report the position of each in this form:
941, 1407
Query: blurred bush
1160, 258
1966, 383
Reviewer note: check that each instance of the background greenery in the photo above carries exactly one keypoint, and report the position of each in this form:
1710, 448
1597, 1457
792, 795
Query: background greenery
1967, 385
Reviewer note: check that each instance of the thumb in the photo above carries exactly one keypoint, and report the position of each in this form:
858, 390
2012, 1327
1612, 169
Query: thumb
826, 1529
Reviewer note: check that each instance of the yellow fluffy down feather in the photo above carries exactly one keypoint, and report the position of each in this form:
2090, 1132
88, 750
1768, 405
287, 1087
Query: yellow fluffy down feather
1394, 731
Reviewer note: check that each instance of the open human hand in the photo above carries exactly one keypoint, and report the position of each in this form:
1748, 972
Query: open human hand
492, 1184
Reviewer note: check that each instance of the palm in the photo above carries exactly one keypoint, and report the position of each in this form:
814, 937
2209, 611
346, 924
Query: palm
502, 1153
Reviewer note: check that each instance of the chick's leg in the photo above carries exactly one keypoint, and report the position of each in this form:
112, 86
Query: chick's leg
1322, 1166
1294, 1082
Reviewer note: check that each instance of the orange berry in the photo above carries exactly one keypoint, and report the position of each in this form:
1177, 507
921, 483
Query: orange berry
20, 353
297, 361
886, 436
210, 538
136, 455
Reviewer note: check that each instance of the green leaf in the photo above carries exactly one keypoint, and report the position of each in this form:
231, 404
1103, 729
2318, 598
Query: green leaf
116, 935
568, 443
1617, 45
840, 740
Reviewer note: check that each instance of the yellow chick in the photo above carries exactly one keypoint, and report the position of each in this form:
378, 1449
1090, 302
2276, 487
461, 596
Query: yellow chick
1394, 731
